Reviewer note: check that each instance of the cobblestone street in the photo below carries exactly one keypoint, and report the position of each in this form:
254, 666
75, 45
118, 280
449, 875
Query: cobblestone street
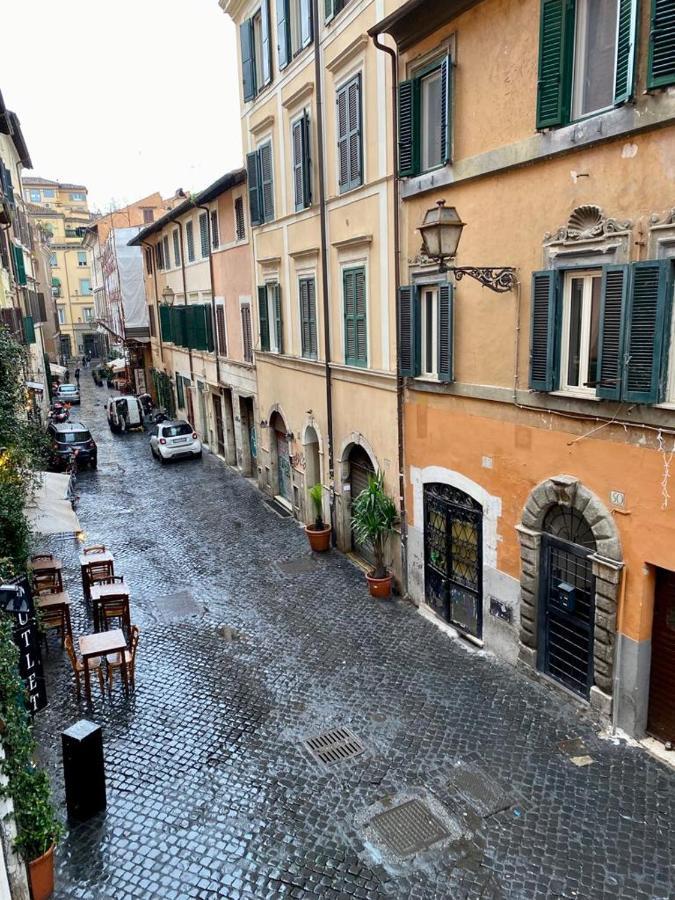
211, 791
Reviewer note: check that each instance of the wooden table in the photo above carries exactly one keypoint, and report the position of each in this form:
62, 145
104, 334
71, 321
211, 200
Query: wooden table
59, 600
98, 594
100, 645
91, 559
43, 566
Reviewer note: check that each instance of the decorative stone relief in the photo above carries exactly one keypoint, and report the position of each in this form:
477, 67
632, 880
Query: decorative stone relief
587, 222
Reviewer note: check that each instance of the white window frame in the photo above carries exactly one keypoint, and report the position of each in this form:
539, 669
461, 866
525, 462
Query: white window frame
61, 313
581, 10
584, 343
271, 315
187, 259
422, 291
256, 19
425, 165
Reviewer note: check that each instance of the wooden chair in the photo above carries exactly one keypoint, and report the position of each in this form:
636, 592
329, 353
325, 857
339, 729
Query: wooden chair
47, 581
93, 548
37, 556
114, 579
54, 620
107, 609
115, 660
78, 667
99, 572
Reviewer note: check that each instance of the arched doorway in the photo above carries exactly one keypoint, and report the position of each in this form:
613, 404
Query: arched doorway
312, 470
280, 453
567, 599
360, 469
453, 564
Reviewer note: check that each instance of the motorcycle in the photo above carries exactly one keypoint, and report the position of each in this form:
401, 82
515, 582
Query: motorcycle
59, 413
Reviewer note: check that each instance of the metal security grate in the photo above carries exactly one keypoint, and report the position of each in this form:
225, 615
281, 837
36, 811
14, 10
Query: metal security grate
334, 746
409, 828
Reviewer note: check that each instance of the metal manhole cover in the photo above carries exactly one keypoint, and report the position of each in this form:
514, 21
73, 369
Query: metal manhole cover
334, 746
484, 794
303, 566
409, 828
175, 607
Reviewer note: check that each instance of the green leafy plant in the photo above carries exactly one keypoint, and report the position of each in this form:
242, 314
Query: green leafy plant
374, 519
316, 493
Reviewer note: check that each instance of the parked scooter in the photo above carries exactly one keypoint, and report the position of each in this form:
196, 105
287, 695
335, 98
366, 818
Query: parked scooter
59, 413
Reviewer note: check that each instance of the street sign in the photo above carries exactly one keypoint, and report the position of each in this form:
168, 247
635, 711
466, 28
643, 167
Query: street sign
16, 600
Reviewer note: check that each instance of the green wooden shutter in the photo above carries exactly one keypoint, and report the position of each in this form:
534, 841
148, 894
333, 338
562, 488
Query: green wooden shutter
407, 331
20, 266
544, 331
278, 322
306, 162
625, 51
266, 181
647, 329
197, 320
360, 324
408, 128
297, 165
180, 326
615, 284
284, 51
253, 176
210, 339
329, 9
263, 318
29, 329
311, 312
553, 85
446, 94
165, 322
342, 138
355, 145
306, 24
661, 63
349, 316
445, 333
247, 59
266, 41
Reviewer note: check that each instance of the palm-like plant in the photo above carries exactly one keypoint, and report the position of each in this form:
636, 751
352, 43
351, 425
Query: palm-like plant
316, 493
374, 516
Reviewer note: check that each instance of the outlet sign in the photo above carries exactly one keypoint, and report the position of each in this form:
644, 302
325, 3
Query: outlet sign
16, 600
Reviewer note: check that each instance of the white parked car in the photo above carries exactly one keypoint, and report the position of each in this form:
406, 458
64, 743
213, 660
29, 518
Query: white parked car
68, 393
124, 413
175, 439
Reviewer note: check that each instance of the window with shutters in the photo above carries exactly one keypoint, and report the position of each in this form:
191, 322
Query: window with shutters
148, 260
204, 234
151, 320
355, 316
61, 313
424, 119
246, 333
176, 248
426, 322
307, 294
580, 331
220, 327
239, 221
602, 332
82, 258
180, 393
190, 239
259, 167
85, 286
333, 7
215, 233
429, 332
294, 28
256, 52
165, 252
349, 135
301, 162
661, 62
148, 214
587, 52
270, 318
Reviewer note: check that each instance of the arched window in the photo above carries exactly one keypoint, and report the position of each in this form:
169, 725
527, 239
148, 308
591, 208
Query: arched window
568, 524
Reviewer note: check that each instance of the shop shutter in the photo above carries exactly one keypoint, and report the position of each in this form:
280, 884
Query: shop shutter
647, 328
283, 33
446, 94
266, 41
266, 182
661, 64
625, 51
544, 325
445, 333
20, 265
408, 128
615, 281
253, 174
263, 318
306, 24
278, 323
551, 100
247, 59
29, 329
407, 331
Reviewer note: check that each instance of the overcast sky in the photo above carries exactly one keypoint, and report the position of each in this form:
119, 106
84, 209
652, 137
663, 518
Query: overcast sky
127, 97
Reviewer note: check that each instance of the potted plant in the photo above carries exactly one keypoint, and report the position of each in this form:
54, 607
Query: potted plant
373, 519
38, 829
318, 533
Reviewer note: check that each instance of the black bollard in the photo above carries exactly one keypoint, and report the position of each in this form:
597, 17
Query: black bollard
83, 770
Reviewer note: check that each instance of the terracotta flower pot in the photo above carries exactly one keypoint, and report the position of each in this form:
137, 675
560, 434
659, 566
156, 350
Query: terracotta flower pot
379, 587
41, 875
319, 538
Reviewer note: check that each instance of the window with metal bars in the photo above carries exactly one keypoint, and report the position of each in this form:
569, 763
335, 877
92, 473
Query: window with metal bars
355, 320
246, 333
220, 328
307, 292
350, 145
239, 222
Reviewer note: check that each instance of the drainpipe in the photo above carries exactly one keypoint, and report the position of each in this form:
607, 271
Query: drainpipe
324, 261
213, 290
185, 297
397, 284
154, 278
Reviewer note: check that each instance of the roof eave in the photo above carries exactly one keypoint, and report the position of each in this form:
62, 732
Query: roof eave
417, 19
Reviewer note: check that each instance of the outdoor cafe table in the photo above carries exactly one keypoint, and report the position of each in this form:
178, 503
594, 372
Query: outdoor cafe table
91, 559
46, 566
60, 600
100, 645
99, 592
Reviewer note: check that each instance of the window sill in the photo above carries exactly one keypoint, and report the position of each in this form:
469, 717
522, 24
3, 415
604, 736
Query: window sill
577, 395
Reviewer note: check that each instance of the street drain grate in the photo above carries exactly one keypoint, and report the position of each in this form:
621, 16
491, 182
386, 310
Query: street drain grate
303, 566
409, 828
334, 746
485, 795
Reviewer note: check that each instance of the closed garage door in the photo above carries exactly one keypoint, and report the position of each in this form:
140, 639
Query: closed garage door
661, 717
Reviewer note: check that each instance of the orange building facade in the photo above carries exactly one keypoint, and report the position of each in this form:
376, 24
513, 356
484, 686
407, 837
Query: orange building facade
539, 421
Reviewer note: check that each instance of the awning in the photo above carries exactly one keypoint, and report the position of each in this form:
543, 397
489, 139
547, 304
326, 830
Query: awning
56, 369
49, 511
35, 386
118, 365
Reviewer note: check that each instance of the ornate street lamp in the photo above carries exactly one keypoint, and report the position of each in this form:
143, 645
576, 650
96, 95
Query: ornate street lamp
168, 295
441, 231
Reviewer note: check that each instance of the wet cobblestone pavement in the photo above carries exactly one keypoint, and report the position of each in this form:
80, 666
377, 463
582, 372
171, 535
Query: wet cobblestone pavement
211, 792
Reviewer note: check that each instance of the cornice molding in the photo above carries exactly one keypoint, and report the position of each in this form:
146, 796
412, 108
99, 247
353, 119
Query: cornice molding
262, 125
297, 97
350, 51
308, 251
357, 240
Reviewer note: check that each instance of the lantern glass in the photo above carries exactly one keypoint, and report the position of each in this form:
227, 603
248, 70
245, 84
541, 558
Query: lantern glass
441, 231
168, 295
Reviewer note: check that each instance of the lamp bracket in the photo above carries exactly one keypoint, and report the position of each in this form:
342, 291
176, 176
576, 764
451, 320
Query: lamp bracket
498, 278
